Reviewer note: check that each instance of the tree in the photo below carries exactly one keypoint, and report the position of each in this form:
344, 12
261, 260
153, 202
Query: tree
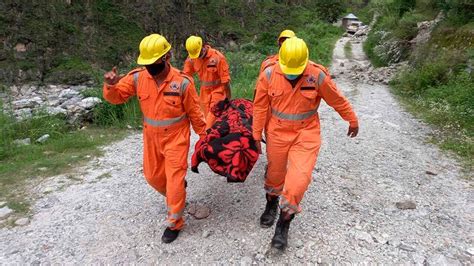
329, 10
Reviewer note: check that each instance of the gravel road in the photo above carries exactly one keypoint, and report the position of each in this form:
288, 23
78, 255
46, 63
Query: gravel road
359, 208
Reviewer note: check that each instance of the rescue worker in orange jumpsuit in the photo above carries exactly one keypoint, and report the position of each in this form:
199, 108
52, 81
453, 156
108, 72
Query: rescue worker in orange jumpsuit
292, 90
272, 59
169, 102
213, 72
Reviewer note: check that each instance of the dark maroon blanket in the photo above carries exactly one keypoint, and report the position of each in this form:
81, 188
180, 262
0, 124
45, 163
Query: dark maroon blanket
229, 148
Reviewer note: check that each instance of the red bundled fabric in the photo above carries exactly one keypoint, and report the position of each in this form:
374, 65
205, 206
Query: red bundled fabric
229, 148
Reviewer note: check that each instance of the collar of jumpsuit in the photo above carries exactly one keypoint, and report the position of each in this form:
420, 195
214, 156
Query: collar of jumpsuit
300, 78
209, 52
166, 79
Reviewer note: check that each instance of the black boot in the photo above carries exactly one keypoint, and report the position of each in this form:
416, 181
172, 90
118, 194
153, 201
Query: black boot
169, 235
268, 216
280, 239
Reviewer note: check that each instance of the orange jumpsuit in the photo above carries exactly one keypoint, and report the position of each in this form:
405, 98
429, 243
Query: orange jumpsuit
167, 111
293, 131
213, 72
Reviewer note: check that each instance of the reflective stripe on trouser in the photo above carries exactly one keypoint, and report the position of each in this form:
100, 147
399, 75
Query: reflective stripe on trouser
165, 164
208, 97
292, 150
173, 218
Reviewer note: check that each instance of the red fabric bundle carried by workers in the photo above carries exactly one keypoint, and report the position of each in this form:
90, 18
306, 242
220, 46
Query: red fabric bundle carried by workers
229, 148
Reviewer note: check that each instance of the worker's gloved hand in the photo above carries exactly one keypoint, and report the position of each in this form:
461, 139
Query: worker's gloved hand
112, 77
353, 131
258, 143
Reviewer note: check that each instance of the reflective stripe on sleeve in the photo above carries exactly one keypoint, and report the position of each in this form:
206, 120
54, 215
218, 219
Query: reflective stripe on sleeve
321, 78
135, 80
268, 73
184, 85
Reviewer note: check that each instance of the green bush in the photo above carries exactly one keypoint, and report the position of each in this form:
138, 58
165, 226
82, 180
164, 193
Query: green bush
121, 116
458, 12
407, 27
373, 39
244, 68
320, 38
397, 24
70, 70
457, 94
330, 10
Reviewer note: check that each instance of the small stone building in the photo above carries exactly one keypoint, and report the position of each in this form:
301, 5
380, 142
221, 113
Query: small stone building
347, 20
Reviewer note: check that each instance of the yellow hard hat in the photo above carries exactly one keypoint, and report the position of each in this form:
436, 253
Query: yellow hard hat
152, 48
293, 56
194, 46
287, 34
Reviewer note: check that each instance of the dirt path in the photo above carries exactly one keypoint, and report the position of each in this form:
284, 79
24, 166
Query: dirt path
349, 213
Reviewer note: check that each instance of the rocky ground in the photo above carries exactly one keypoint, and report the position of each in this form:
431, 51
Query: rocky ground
386, 197
359, 69
27, 100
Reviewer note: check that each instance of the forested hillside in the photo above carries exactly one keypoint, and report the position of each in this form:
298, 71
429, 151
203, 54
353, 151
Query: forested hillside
63, 41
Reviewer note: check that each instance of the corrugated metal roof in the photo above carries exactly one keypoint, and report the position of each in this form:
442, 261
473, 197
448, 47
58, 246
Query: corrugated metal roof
351, 16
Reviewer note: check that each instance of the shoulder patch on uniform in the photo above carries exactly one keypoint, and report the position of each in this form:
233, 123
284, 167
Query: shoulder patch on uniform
174, 86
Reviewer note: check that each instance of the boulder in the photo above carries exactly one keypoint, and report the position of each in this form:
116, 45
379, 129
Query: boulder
90, 102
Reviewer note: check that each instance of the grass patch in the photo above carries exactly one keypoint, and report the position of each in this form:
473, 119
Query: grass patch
18, 206
244, 68
449, 136
21, 166
443, 98
348, 50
